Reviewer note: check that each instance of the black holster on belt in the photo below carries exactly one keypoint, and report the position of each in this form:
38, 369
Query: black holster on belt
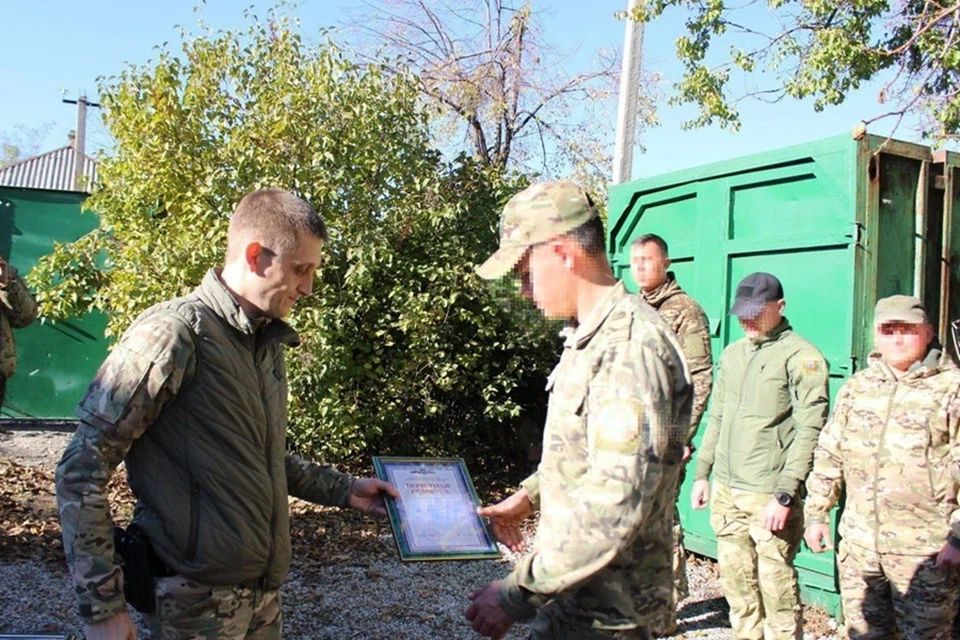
140, 566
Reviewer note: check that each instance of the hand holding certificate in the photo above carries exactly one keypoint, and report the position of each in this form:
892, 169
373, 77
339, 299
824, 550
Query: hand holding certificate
436, 515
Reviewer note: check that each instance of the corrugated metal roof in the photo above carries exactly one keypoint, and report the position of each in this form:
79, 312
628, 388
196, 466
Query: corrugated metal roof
52, 170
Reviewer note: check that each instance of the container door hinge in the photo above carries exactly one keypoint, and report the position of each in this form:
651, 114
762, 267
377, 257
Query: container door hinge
857, 235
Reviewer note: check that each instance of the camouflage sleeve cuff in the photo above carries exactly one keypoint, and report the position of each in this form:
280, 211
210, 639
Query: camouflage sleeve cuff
532, 485
513, 601
101, 610
815, 518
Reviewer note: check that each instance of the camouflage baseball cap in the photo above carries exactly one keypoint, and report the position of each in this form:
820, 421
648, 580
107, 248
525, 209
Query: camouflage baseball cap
536, 214
905, 309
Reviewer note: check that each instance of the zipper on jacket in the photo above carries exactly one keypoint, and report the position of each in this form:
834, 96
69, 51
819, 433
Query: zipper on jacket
273, 488
735, 414
876, 470
194, 521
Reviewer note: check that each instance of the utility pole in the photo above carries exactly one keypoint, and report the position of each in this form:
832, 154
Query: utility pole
79, 143
627, 110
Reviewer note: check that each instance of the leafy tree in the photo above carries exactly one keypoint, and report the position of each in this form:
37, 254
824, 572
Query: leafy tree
403, 348
821, 49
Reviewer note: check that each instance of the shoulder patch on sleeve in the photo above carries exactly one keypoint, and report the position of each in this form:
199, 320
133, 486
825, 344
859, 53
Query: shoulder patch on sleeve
618, 426
693, 346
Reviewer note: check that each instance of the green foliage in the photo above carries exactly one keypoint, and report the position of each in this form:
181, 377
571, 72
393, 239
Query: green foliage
821, 49
404, 349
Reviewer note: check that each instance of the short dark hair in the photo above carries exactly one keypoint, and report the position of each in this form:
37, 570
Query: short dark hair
651, 237
591, 236
274, 218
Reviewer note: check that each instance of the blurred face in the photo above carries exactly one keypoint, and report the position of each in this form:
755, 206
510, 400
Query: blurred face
649, 265
901, 343
285, 277
764, 323
546, 279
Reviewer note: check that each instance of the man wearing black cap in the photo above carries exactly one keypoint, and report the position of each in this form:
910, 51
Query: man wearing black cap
769, 405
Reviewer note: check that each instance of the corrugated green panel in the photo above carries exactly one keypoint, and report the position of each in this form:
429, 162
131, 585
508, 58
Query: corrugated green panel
791, 212
58, 360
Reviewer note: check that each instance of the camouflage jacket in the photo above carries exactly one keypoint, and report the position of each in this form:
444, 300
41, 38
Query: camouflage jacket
194, 399
690, 323
616, 424
769, 404
894, 445
17, 310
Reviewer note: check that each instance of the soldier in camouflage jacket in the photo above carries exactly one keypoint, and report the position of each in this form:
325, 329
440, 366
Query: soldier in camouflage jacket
892, 442
194, 400
617, 420
649, 261
17, 310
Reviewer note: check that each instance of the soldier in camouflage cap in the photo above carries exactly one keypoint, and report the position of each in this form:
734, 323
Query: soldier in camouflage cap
194, 400
649, 264
892, 442
617, 421
17, 310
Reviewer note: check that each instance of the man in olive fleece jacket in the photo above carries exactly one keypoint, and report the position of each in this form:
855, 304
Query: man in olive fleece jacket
770, 402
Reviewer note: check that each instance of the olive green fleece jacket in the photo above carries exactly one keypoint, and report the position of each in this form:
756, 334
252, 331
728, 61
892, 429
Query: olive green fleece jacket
770, 402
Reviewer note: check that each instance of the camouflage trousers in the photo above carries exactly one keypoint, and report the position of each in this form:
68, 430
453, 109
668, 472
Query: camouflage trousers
757, 575
666, 623
882, 593
188, 610
551, 624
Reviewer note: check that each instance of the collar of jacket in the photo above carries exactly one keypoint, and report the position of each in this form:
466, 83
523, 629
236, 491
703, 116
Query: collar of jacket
775, 334
658, 296
931, 364
216, 295
595, 318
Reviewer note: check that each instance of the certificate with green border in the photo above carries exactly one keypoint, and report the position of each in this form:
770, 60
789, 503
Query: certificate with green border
436, 515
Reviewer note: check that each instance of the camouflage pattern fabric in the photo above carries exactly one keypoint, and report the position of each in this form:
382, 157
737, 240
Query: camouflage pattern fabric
536, 214
616, 425
886, 595
153, 361
756, 565
689, 322
550, 624
894, 444
188, 609
17, 310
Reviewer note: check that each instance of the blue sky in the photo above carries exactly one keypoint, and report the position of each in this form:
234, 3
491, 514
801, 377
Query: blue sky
54, 45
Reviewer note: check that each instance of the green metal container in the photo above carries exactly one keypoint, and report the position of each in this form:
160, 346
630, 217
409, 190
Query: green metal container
841, 222
56, 361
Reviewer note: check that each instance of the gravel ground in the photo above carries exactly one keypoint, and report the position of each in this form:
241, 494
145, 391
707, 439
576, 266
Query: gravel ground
354, 594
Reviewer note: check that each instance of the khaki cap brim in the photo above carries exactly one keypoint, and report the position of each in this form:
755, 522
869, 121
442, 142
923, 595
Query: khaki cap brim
501, 263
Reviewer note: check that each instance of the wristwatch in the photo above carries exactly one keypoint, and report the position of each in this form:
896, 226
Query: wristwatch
784, 498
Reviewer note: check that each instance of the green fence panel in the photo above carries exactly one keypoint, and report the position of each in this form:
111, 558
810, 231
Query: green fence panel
56, 361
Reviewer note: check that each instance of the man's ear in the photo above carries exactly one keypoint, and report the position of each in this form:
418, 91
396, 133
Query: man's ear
253, 254
669, 262
564, 251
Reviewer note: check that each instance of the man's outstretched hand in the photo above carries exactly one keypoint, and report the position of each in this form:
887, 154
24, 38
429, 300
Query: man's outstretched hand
366, 495
505, 518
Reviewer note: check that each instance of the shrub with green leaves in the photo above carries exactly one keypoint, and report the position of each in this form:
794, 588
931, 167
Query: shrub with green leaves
404, 350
